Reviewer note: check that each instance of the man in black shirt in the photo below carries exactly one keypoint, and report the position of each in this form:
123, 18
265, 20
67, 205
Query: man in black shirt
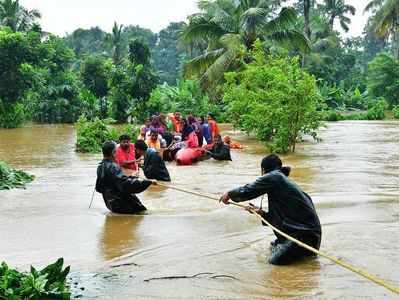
220, 151
117, 189
290, 210
154, 167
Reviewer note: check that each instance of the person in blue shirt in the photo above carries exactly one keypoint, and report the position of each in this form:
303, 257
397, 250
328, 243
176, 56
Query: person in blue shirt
206, 130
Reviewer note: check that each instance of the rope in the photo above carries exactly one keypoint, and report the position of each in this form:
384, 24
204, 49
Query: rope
345, 265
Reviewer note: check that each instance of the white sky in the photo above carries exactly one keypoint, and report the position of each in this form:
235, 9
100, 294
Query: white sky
62, 16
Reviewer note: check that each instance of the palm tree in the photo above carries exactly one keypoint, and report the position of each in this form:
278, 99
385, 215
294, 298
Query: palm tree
225, 27
15, 16
116, 39
339, 9
385, 22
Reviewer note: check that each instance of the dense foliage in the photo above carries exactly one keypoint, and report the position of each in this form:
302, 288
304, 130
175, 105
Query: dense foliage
46, 284
92, 134
274, 99
10, 178
383, 78
186, 97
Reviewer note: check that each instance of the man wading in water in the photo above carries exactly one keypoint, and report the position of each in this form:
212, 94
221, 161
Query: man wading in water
290, 210
117, 189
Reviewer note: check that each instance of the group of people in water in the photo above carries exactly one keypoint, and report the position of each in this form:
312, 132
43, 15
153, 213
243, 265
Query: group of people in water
290, 209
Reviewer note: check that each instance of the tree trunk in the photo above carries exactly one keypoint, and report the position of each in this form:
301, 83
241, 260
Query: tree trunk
306, 14
395, 42
331, 22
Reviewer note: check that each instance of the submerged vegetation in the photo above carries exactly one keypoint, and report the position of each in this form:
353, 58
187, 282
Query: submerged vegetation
92, 134
10, 178
131, 72
46, 284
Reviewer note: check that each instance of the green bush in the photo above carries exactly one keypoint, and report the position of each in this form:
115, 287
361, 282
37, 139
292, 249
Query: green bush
395, 111
10, 178
186, 97
383, 78
274, 98
377, 110
12, 115
332, 116
49, 283
92, 134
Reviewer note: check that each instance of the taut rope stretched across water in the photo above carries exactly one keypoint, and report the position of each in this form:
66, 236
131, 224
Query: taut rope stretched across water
345, 265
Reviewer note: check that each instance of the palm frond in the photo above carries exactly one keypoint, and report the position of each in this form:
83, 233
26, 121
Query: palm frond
201, 28
373, 4
200, 64
344, 24
291, 38
253, 17
351, 9
286, 19
215, 72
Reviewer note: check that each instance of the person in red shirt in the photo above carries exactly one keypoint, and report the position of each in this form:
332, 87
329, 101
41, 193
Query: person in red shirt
213, 126
125, 154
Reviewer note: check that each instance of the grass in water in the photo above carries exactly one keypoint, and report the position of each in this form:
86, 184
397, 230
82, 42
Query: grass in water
10, 178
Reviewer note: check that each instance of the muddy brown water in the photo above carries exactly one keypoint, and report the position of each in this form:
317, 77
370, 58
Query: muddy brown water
352, 176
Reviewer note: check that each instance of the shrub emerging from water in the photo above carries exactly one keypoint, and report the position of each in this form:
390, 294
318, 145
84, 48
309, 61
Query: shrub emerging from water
92, 134
49, 283
274, 99
395, 111
10, 178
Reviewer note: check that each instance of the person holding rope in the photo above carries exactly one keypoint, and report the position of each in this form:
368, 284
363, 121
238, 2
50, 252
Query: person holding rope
117, 189
291, 210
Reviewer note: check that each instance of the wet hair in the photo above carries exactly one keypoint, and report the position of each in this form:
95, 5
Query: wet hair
124, 137
108, 148
140, 145
272, 163
153, 131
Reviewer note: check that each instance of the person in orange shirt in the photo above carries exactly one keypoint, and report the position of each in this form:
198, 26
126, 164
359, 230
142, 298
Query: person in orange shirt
125, 154
213, 126
177, 122
153, 141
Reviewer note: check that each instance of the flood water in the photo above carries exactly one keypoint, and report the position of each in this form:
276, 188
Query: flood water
352, 176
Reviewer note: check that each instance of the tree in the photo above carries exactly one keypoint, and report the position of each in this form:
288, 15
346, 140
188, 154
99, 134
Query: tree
386, 21
132, 84
94, 73
169, 54
20, 53
116, 39
227, 27
383, 78
338, 9
89, 42
15, 16
54, 97
274, 98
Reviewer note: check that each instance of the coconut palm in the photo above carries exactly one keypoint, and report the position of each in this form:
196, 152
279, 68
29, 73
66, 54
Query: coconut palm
15, 16
385, 22
116, 39
223, 28
338, 9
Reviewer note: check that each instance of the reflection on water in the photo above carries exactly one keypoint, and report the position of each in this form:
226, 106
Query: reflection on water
352, 177
119, 235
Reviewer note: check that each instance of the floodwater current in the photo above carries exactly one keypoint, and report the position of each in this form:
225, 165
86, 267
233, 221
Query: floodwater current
192, 248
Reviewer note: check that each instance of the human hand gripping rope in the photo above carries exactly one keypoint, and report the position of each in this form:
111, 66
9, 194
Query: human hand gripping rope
225, 199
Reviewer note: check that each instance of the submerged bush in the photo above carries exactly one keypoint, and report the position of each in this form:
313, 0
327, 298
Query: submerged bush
10, 178
49, 283
91, 135
395, 111
274, 98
